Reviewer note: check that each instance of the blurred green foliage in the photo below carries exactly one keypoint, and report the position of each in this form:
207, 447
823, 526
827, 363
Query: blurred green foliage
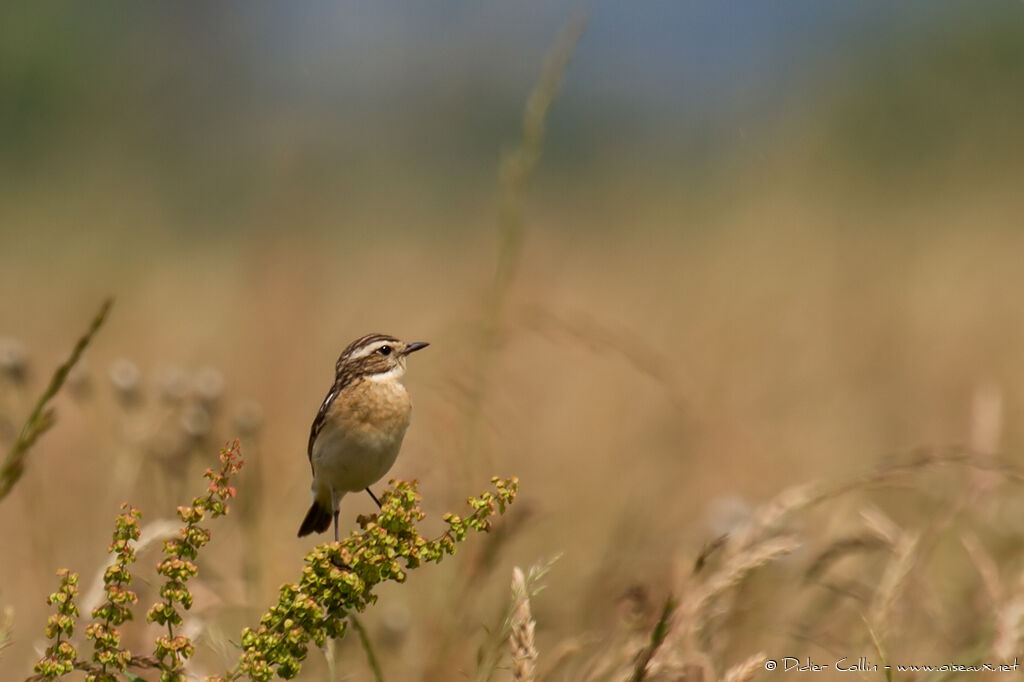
937, 97
205, 97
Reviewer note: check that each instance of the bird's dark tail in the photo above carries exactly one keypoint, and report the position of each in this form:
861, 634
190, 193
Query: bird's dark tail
318, 519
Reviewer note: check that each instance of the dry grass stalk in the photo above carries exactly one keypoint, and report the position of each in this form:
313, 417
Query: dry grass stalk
368, 648
658, 636
744, 553
986, 435
741, 672
904, 546
679, 657
520, 639
839, 549
893, 580
515, 171
517, 166
881, 526
512, 630
6, 626
600, 337
1010, 624
617, 656
562, 654
986, 419
43, 416
749, 550
986, 565
692, 667
876, 641
738, 567
707, 551
922, 459
770, 518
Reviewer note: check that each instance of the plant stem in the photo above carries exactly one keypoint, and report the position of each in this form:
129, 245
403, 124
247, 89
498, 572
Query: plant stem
42, 417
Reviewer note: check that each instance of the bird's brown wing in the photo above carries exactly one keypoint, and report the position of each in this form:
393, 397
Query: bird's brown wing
340, 382
318, 422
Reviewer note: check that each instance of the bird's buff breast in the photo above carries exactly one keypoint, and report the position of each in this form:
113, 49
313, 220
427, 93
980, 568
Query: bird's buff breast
362, 437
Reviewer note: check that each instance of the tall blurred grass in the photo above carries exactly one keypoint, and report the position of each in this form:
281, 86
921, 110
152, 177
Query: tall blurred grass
683, 339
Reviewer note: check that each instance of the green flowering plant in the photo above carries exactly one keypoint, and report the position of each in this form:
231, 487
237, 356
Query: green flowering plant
117, 607
179, 566
61, 656
337, 580
340, 577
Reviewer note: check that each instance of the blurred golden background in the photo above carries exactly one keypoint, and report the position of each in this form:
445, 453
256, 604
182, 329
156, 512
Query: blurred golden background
763, 246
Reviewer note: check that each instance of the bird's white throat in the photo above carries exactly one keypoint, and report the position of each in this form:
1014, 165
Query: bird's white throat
392, 374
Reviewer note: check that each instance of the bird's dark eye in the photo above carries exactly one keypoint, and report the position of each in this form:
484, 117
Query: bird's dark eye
384, 350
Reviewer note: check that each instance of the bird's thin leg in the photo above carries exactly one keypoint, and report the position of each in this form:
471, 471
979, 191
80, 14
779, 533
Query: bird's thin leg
379, 505
335, 505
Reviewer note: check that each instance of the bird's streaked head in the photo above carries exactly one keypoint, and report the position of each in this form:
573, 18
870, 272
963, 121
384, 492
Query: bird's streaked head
376, 356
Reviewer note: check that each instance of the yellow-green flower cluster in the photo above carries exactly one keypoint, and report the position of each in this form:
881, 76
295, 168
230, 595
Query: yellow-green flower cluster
339, 577
178, 567
60, 656
117, 608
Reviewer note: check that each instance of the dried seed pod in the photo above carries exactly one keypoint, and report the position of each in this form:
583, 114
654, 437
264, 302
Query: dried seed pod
208, 385
125, 376
248, 418
79, 381
13, 360
172, 384
195, 421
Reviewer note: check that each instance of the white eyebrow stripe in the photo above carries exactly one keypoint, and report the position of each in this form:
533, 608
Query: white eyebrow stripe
368, 350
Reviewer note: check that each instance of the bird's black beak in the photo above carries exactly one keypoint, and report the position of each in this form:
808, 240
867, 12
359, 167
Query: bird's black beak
415, 346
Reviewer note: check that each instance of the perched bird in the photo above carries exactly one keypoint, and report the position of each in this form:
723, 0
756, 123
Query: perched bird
358, 431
